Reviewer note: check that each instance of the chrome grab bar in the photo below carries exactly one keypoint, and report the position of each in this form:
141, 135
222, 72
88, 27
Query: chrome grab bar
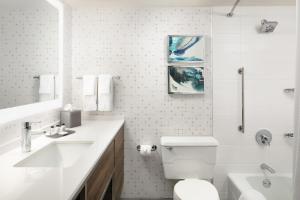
241, 127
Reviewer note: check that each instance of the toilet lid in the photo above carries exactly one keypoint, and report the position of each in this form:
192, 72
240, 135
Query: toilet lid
195, 189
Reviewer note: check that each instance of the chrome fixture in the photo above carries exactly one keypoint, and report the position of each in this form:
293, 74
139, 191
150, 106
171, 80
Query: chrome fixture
289, 90
153, 148
241, 71
26, 136
267, 183
263, 137
230, 14
268, 26
289, 135
266, 167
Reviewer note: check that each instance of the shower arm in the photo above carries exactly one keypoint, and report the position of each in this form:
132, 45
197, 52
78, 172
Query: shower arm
230, 14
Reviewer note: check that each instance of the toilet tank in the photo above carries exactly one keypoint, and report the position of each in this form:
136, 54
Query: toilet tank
189, 156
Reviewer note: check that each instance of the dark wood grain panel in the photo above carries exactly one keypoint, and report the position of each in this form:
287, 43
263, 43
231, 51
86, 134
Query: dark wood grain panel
106, 180
101, 176
118, 177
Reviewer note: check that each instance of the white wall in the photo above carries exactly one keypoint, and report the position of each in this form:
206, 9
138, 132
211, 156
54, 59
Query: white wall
133, 44
67, 55
269, 61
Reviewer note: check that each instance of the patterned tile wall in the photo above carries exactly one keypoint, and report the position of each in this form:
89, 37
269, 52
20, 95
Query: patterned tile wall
132, 43
29, 47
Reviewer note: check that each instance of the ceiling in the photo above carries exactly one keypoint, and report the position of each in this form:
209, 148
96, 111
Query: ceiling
182, 2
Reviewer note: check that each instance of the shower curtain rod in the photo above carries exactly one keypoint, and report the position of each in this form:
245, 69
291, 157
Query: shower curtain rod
230, 14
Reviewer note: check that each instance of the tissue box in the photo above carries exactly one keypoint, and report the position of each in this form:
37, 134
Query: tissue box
71, 118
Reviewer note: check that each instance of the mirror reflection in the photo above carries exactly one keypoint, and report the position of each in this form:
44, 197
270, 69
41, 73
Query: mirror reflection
28, 52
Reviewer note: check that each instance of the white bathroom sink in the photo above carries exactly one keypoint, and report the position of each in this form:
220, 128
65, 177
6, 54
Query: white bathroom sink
57, 154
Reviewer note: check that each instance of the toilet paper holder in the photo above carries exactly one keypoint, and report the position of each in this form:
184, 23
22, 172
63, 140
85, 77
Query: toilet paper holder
153, 148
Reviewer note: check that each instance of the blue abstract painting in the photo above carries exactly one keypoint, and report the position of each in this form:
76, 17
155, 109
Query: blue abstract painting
186, 80
189, 49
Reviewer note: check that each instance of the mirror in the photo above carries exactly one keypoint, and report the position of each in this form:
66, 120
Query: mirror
29, 52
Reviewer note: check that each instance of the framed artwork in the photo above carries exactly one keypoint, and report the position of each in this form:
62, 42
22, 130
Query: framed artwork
185, 80
186, 49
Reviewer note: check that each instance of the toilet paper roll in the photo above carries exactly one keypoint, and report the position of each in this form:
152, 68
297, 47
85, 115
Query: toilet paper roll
145, 150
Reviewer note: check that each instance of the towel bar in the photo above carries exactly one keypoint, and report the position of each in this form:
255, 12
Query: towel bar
114, 77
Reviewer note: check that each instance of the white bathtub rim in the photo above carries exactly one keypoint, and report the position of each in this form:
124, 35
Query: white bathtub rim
239, 180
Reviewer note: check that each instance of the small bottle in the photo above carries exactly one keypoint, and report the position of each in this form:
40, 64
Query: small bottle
57, 129
62, 127
52, 130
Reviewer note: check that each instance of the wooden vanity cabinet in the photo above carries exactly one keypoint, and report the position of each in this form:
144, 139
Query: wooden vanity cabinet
99, 180
118, 176
106, 180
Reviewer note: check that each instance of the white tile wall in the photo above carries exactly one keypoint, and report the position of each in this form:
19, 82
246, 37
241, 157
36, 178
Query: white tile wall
132, 43
67, 57
29, 47
269, 61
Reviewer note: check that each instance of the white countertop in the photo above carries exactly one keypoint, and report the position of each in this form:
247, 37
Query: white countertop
29, 183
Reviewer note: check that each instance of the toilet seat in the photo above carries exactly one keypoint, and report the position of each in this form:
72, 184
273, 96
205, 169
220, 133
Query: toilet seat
195, 189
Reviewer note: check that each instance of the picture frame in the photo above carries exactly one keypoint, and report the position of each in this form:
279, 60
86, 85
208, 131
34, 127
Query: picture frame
186, 49
186, 80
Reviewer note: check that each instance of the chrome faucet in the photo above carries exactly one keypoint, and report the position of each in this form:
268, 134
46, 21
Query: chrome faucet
264, 167
26, 137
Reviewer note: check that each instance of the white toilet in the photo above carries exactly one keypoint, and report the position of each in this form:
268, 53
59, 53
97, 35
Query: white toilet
192, 159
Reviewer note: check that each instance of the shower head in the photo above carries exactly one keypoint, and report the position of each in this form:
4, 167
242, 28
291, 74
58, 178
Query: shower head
268, 26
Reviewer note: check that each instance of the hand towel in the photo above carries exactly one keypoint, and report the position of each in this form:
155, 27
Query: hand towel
89, 85
105, 92
89, 93
47, 87
252, 195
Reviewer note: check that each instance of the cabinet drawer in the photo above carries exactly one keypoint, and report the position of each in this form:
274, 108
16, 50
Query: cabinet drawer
100, 177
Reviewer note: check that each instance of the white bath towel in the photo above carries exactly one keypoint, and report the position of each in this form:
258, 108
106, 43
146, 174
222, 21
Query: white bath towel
252, 195
89, 93
105, 92
47, 87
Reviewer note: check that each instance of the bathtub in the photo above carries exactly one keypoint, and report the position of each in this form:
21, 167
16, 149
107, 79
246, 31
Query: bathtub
280, 189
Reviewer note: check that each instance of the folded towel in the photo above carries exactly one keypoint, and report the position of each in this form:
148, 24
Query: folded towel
89, 85
104, 83
252, 195
89, 93
46, 84
105, 92
47, 87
